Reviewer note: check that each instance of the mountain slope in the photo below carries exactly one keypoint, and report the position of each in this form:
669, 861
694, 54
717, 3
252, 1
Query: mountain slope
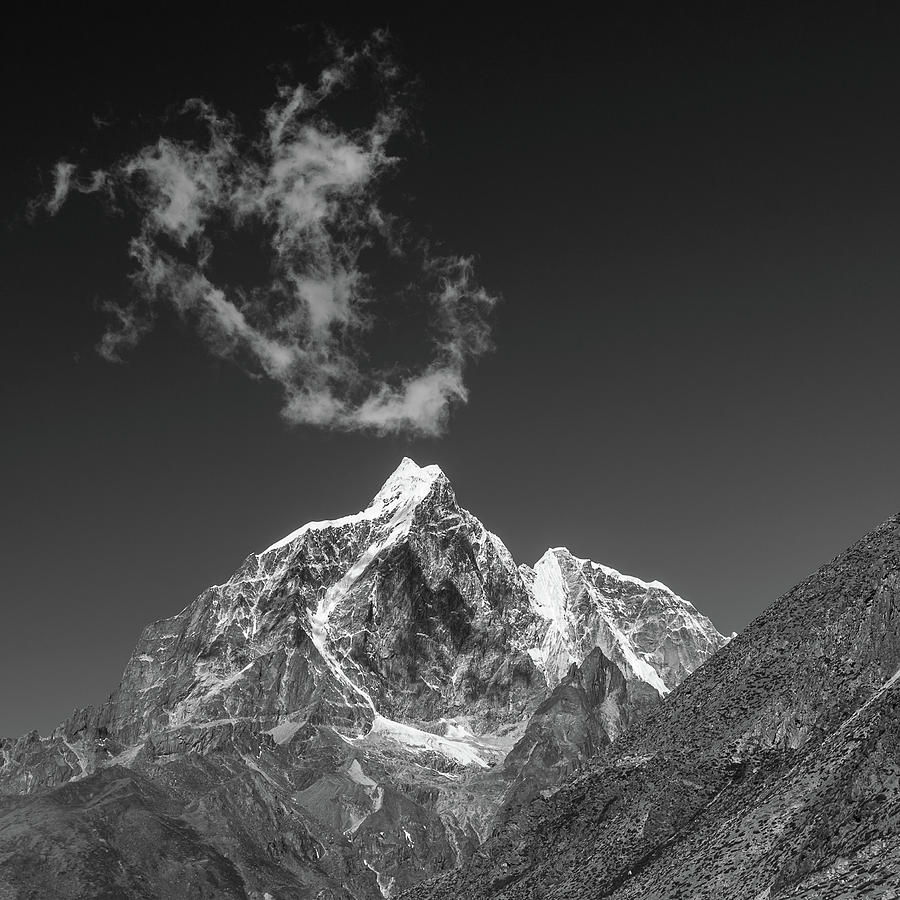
773, 771
377, 689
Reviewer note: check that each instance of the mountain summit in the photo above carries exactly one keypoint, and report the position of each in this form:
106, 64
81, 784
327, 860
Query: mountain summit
357, 707
408, 485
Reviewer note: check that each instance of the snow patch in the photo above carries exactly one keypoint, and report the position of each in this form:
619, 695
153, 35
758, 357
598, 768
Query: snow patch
355, 773
549, 594
385, 883
283, 733
80, 757
126, 757
639, 666
464, 752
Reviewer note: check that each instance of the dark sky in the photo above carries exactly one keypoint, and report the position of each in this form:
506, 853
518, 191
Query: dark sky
693, 222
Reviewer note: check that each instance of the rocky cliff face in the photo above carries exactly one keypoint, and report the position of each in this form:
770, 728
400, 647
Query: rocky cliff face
354, 709
772, 772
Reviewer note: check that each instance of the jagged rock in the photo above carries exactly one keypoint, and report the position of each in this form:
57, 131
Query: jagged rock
584, 712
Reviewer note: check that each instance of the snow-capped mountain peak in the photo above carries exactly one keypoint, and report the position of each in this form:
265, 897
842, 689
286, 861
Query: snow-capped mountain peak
608, 570
652, 634
391, 672
407, 486
410, 477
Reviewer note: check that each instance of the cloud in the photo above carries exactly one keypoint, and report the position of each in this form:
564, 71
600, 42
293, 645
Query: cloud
64, 182
310, 192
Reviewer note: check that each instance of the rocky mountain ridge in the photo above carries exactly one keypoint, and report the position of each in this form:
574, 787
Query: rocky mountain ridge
350, 712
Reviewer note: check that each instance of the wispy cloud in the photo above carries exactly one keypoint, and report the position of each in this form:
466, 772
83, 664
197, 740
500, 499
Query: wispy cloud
65, 181
312, 189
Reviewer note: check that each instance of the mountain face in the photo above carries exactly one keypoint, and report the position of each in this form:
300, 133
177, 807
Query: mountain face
357, 708
772, 772
654, 637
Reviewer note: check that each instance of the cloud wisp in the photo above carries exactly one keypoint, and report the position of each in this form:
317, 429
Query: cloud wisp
308, 192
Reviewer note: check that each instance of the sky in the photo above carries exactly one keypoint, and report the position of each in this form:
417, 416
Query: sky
677, 231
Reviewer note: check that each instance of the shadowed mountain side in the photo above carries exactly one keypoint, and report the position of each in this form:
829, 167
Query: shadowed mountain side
582, 715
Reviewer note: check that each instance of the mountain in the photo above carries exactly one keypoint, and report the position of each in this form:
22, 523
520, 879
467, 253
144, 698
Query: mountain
357, 708
772, 772
654, 637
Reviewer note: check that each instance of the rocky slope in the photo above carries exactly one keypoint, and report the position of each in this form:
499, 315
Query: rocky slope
772, 772
356, 708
